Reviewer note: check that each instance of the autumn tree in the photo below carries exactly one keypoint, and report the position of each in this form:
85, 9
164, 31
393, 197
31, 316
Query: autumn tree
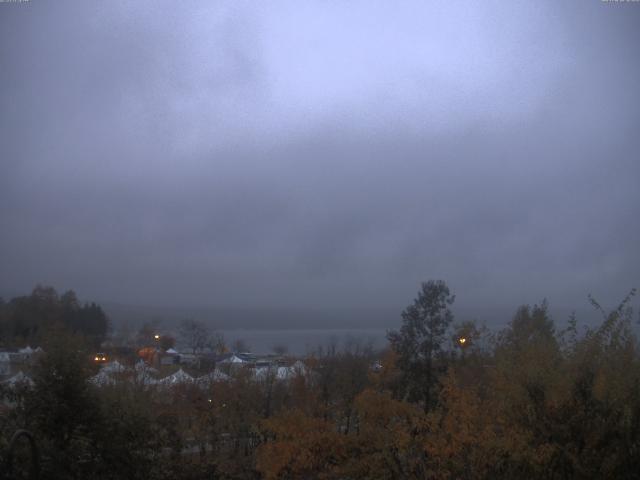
420, 339
351, 368
598, 426
387, 442
469, 435
219, 343
299, 446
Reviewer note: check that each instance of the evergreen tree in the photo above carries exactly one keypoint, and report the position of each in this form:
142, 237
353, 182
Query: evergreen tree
420, 339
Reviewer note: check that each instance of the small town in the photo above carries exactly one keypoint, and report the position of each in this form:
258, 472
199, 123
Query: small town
162, 369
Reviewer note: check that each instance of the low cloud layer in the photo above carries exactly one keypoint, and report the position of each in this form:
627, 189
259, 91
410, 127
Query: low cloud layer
325, 154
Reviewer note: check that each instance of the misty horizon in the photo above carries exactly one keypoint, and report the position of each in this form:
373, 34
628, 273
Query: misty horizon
238, 317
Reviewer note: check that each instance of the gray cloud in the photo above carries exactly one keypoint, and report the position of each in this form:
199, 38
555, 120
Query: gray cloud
320, 154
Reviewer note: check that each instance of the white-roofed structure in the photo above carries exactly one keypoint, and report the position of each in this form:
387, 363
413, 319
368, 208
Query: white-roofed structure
141, 366
5, 363
144, 373
113, 367
284, 373
102, 378
19, 379
175, 378
299, 368
212, 377
280, 373
235, 359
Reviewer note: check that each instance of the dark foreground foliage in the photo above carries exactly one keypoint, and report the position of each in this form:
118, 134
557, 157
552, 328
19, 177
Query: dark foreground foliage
526, 402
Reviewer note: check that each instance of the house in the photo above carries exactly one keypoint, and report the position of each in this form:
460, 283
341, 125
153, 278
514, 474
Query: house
236, 358
5, 363
113, 367
18, 357
215, 376
102, 378
299, 368
170, 357
19, 379
176, 378
189, 359
144, 373
27, 351
107, 373
272, 371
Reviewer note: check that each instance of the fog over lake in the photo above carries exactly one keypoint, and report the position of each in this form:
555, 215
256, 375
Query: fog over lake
324, 326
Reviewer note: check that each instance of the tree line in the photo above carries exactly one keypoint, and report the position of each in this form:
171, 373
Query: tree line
445, 400
27, 319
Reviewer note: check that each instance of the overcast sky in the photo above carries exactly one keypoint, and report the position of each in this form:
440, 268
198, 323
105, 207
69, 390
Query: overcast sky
320, 153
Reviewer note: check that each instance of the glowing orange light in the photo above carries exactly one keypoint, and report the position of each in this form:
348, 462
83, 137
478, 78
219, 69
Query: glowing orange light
462, 340
156, 336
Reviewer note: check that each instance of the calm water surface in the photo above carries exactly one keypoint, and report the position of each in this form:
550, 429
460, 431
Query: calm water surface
300, 342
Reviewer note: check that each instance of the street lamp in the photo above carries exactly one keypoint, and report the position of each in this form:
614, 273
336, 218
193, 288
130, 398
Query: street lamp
156, 336
462, 341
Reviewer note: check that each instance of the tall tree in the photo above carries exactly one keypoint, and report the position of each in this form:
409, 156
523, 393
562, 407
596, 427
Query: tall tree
419, 340
530, 326
63, 406
195, 334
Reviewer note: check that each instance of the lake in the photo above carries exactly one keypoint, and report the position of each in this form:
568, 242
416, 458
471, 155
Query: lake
303, 341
